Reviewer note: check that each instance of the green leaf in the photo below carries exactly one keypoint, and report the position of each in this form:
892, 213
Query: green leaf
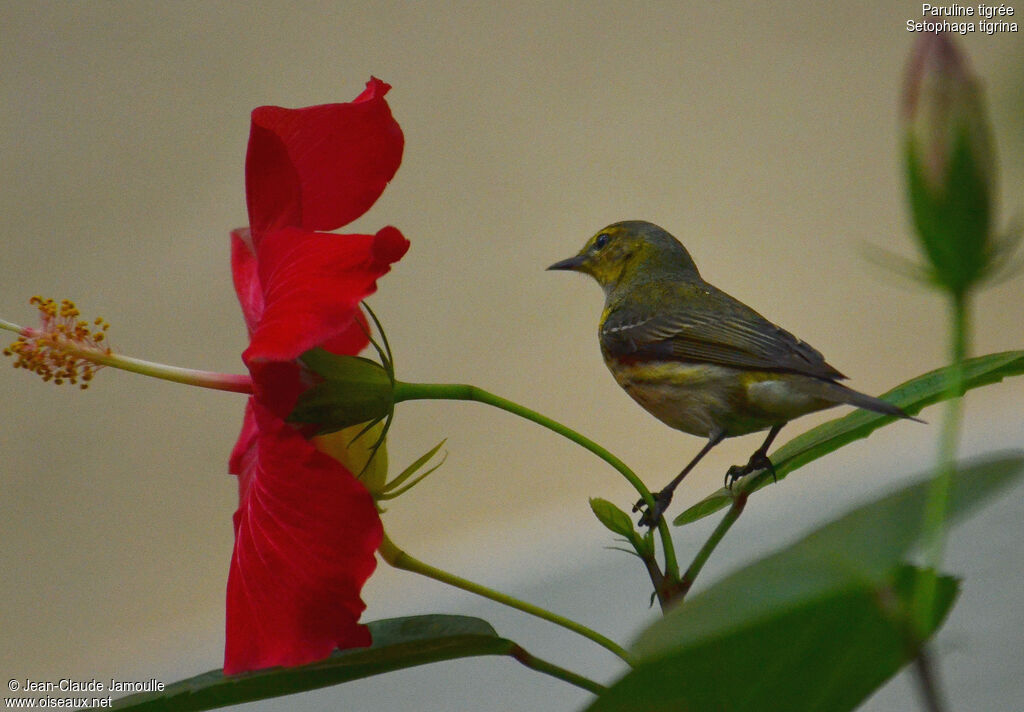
613, 518
826, 653
912, 396
819, 624
397, 643
709, 505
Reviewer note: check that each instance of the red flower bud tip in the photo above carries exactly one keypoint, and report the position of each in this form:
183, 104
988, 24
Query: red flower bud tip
55, 350
941, 98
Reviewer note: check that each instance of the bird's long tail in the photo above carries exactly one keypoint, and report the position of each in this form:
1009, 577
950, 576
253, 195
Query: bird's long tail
862, 400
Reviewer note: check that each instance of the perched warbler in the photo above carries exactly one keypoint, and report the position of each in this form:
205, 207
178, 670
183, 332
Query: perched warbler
697, 359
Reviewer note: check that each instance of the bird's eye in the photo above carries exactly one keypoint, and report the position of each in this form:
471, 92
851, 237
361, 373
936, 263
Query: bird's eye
601, 240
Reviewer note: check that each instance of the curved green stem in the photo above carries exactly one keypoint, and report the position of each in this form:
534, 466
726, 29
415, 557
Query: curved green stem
400, 560
734, 512
457, 391
543, 666
232, 382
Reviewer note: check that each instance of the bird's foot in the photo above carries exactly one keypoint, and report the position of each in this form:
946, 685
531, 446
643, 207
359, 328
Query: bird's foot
758, 461
651, 516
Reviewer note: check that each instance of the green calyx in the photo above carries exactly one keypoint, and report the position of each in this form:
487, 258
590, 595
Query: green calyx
352, 405
361, 449
353, 390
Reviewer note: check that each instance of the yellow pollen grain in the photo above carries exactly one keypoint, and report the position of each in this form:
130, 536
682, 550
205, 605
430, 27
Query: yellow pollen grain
59, 350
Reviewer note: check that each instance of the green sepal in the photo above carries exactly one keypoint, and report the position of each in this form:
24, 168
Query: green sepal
353, 390
393, 488
954, 220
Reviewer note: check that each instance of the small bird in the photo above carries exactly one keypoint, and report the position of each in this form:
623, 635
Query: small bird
696, 358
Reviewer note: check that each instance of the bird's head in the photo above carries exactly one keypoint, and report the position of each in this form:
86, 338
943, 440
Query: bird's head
629, 251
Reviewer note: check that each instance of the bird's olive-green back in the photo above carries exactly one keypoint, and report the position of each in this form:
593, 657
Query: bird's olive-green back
657, 307
695, 322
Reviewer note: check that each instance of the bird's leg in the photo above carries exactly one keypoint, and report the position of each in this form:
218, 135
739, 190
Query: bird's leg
758, 461
663, 498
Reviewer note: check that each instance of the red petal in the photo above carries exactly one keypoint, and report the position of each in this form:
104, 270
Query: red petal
247, 282
277, 385
305, 535
245, 444
320, 167
352, 339
312, 285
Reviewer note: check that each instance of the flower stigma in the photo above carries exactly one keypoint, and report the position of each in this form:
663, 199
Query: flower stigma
60, 349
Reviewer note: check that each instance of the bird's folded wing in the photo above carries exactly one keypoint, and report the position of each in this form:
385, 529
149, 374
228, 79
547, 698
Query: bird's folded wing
740, 338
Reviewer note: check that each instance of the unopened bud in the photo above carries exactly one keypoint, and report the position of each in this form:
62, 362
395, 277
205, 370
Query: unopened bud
360, 449
949, 161
353, 390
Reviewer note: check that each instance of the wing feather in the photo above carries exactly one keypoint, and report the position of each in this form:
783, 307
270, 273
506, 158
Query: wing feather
730, 335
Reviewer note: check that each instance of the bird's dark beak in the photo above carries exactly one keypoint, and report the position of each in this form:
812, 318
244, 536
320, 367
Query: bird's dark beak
573, 263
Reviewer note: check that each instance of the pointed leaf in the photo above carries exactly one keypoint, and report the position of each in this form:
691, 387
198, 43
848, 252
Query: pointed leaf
397, 643
819, 624
828, 652
912, 396
709, 505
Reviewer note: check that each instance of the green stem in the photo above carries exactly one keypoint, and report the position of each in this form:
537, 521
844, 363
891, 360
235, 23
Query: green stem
400, 560
934, 523
738, 503
927, 682
543, 666
456, 391
235, 383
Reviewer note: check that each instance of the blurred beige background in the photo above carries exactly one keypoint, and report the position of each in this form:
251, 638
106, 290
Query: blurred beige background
765, 138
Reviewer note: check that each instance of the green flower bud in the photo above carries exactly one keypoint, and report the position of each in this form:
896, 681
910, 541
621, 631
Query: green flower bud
362, 449
949, 162
613, 518
618, 522
354, 390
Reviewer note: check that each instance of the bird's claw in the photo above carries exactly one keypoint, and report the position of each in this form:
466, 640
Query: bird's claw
733, 474
652, 515
758, 461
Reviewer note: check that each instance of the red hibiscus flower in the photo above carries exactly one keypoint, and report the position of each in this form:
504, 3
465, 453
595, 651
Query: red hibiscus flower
306, 530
